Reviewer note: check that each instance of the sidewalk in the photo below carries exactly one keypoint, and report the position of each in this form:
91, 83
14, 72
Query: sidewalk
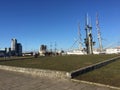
19, 81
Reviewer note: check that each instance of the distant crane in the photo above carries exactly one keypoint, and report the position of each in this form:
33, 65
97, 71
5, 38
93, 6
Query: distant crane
99, 33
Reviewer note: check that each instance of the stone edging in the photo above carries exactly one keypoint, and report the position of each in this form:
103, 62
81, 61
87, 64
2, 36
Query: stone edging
37, 72
92, 67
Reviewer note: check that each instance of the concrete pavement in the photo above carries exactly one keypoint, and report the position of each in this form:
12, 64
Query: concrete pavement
19, 81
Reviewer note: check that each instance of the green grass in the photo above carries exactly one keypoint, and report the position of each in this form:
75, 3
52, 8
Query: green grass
109, 75
11, 58
61, 63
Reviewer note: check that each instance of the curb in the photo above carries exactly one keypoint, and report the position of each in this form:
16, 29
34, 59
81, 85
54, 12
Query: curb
92, 67
38, 72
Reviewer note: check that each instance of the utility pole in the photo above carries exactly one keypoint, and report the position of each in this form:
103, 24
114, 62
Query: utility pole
55, 47
51, 47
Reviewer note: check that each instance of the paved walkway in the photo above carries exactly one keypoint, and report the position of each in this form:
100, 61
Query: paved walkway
19, 81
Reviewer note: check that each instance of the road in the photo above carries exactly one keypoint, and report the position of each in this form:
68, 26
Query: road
19, 81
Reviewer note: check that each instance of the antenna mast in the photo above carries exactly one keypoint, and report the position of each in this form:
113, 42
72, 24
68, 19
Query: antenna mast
99, 33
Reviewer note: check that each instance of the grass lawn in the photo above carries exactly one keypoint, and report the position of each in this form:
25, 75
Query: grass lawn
61, 63
11, 58
109, 75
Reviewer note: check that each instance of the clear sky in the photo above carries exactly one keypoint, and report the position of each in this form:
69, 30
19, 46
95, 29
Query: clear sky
36, 22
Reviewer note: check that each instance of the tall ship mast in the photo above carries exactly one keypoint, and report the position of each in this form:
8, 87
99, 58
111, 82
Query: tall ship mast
99, 33
89, 39
79, 37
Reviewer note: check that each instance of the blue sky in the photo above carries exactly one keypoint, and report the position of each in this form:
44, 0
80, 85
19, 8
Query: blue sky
36, 22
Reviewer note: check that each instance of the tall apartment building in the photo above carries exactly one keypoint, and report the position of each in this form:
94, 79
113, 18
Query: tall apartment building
16, 48
14, 45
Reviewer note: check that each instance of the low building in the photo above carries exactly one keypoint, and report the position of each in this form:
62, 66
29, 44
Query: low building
2, 53
113, 51
27, 54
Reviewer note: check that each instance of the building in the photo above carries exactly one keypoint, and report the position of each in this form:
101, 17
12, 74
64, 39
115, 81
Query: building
43, 50
27, 54
2, 53
16, 48
19, 49
8, 52
14, 45
113, 51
